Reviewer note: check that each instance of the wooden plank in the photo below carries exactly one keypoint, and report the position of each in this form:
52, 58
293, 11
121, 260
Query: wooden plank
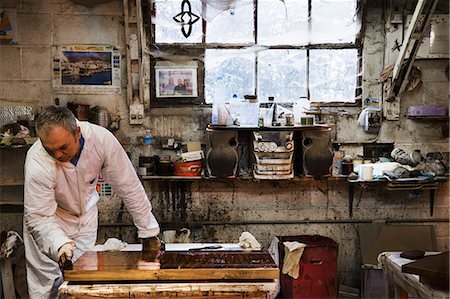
217, 290
433, 269
120, 274
128, 265
408, 282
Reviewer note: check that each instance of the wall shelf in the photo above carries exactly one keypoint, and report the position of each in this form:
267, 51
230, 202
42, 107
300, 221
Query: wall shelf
205, 178
425, 118
11, 207
431, 185
280, 128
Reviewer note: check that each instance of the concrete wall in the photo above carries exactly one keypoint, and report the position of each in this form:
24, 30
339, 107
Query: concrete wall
216, 210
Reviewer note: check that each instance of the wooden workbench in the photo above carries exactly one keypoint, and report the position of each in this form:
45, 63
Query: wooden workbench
229, 272
406, 284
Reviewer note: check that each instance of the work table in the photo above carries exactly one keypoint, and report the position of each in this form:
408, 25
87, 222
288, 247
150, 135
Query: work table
184, 271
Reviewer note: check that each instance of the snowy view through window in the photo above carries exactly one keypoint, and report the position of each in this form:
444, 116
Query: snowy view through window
284, 50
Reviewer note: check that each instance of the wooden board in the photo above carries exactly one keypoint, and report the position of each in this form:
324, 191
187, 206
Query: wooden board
432, 269
179, 290
203, 265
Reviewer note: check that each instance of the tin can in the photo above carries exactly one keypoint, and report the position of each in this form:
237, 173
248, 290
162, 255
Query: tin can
260, 122
289, 119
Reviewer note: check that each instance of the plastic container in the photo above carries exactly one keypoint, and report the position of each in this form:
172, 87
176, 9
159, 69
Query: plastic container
248, 115
318, 268
192, 168
234, 109
266, 113
219, 110
148, 140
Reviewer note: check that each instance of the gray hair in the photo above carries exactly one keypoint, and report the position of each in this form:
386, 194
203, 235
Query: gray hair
51, 117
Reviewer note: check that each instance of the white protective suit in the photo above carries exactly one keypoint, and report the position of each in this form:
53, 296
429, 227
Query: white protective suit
60, 203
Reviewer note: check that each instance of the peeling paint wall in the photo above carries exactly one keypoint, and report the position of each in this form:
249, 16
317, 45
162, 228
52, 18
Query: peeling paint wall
222, 210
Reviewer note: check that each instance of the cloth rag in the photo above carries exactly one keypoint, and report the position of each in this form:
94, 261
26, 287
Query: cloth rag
114, 244
247, 240
292, 253
11, 242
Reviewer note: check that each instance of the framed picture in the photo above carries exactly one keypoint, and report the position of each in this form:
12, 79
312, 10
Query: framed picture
86, 69
176, 82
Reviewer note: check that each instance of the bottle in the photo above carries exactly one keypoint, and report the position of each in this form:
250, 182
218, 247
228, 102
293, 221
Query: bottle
234, 111
148, 140
219, 110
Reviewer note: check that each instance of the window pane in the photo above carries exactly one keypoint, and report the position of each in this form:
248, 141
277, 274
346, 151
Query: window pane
169, 31
234, 67
332, 75
238, 22
334, 21
283, 22
282, 74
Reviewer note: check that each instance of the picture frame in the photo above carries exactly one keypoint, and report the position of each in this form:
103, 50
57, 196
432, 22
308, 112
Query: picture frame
176, 82
86, 69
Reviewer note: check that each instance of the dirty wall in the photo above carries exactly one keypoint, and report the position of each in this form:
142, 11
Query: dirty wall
221, 210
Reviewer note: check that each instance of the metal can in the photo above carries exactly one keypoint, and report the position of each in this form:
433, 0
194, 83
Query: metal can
260, 122
289, 119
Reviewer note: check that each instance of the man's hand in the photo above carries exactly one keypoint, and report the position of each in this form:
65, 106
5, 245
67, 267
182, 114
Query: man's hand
65, 254
152, 249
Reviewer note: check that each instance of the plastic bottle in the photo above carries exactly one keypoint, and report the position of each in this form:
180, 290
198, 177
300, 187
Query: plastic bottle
219, 110
233, 107
148, 140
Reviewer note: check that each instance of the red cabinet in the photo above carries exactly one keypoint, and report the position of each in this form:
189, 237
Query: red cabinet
318, 268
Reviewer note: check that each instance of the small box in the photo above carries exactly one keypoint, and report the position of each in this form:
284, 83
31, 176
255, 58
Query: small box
426, 111
374, 282
192, 156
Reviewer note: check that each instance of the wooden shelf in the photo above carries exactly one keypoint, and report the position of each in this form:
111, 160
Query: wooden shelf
11, 207
435, 118
202, 178
171, 177
281, 128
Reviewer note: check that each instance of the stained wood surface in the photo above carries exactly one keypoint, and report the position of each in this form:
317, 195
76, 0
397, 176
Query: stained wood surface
432, 269
191, 266
408, 282
216, 290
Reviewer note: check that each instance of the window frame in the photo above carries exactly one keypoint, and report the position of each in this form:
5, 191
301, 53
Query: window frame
196, 50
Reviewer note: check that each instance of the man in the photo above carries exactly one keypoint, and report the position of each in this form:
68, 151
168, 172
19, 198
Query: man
180, 88
170, 87
60, 211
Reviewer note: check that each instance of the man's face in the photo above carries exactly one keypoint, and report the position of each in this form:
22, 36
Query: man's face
62, 144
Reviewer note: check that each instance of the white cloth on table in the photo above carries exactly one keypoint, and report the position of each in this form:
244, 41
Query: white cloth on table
247, 240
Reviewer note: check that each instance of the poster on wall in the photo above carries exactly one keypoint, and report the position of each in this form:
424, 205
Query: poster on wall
8, 26
175, 81
86, 69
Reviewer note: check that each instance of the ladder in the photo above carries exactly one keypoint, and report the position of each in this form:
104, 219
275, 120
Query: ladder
138, 76
411, 43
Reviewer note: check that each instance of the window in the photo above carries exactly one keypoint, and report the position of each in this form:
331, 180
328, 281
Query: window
287, 49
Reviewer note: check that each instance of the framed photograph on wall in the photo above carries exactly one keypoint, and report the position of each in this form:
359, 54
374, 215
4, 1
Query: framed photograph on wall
176, 82
86, 69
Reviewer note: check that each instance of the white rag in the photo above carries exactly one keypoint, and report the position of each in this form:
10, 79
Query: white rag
247, 240
292, 253
114, 244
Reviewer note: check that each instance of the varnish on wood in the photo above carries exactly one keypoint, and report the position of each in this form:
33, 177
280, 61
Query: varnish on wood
183, 266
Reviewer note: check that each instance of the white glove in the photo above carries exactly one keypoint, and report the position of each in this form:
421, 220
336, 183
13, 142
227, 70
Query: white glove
65, 254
